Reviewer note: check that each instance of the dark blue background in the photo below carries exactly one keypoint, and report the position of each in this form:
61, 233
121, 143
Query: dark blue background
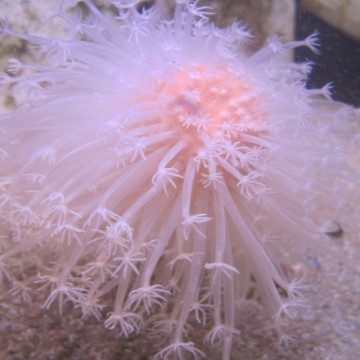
339, 61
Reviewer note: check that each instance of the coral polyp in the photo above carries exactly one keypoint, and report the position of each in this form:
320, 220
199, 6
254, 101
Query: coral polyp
157, 173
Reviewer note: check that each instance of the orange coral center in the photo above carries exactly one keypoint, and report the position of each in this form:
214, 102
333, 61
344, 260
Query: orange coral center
213, 101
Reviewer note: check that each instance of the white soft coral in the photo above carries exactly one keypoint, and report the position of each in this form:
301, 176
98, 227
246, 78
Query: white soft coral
145, 142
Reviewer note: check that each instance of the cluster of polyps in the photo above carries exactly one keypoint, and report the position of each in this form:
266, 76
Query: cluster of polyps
215, 102
156, 164
216, 116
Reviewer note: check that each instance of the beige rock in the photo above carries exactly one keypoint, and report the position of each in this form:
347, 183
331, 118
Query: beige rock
343, 14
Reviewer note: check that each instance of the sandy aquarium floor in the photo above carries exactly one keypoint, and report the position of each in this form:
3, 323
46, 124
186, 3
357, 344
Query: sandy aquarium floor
326, 328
